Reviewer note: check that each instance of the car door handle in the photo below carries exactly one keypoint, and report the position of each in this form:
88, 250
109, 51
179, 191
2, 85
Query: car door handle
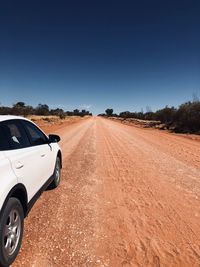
43, 155
19, 165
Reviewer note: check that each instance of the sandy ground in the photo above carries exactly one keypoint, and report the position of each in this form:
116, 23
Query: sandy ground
128, 197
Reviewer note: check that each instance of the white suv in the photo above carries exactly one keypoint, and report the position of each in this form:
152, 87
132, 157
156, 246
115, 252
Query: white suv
30, 161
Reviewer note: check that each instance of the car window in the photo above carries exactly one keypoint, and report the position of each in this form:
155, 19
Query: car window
4, 145
36, 136
15, 134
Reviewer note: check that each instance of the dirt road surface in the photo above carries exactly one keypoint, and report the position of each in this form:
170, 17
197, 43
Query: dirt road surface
128, 197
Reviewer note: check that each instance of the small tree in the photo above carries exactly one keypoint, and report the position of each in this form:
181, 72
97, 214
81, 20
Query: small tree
166, 115
109, 112
42, 109
19, 105
19, 108
76, 112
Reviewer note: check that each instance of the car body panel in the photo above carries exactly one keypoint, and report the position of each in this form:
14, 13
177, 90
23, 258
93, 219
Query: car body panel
7, 178
28, 167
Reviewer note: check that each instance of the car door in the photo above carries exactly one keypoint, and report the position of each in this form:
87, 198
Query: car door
24, 158
46, 153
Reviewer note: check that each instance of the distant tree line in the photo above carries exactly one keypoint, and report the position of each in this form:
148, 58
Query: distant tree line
185, 118
20, 108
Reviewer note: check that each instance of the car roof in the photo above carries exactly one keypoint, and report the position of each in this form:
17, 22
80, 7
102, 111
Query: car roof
11, 117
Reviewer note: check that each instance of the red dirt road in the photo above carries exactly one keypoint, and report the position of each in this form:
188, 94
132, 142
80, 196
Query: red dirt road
128, 197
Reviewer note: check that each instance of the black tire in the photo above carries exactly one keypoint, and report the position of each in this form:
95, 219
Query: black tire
56, 175
11, 231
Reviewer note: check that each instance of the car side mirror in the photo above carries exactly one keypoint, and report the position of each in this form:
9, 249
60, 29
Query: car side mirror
54, 138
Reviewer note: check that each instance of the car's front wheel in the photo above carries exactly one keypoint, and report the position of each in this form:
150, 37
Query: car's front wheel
11, 231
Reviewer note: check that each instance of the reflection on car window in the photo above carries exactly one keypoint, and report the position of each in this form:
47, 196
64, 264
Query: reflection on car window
37, 137
15, 134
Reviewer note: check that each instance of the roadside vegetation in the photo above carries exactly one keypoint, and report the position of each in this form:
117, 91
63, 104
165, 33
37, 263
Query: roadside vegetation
184, 119
20, 108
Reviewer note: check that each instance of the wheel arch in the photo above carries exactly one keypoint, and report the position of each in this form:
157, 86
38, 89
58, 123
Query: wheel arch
19, 192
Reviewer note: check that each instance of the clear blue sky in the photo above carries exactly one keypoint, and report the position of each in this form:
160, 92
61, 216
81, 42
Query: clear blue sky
98, 54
